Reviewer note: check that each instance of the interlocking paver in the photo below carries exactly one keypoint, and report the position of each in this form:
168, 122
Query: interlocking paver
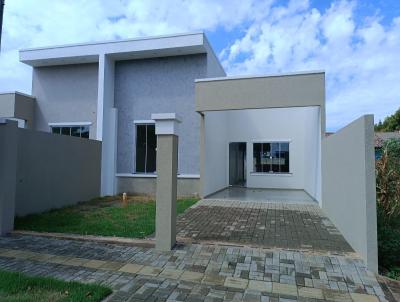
363, 298
206, 272
294, 226
236, 282
131, 268
150, 271
261, 286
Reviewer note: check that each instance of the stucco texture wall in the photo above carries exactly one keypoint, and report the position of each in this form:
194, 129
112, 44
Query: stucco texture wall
65, 93
55, 171
348, 186
158, 85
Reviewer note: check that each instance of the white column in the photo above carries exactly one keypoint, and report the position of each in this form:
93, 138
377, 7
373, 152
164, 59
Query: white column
107, 124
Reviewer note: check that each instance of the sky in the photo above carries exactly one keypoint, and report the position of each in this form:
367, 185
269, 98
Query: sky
357, 43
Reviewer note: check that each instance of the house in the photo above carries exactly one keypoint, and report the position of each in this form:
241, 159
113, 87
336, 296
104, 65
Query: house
381, 138
264, 131
108, 91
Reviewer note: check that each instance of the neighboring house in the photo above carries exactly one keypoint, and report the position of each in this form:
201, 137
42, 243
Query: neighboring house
381, 138
253, 131
108, 91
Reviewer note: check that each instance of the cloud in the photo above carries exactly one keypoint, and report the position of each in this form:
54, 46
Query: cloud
32, 23
359, 53
361, 60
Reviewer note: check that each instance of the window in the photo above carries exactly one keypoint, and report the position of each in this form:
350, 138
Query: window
78, 131
271, 157
146, 145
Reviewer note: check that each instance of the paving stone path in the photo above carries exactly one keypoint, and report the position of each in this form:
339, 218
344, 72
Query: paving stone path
194, 272
273, 225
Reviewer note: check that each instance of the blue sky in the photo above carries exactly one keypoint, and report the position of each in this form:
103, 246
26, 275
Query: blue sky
357, 43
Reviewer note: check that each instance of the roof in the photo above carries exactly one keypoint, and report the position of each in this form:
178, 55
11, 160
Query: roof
241, 77
139, 48
382, 137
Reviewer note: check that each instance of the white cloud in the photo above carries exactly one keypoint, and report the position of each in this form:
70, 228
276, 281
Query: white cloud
361, 60
360, 57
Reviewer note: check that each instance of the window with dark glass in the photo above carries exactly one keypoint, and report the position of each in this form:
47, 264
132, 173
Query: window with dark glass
78, 131
272, 157
146, 145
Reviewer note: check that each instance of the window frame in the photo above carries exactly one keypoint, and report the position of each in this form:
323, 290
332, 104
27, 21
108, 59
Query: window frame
70, 125
143, 123
283, 141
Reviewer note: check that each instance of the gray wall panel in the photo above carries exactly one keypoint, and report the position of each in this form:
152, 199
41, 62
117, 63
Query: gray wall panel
55, 170
159, 85
147, 186
348, 186
65, 93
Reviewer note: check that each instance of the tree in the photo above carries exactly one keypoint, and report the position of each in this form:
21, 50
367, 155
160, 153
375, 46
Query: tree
390, 123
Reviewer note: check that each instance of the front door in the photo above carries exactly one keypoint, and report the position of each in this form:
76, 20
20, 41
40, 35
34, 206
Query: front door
237, 164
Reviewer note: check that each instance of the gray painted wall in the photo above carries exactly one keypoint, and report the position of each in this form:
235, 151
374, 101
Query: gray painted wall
8, 158
65, 93
18, 105
55, 170
348, 186
147, 186
159, 85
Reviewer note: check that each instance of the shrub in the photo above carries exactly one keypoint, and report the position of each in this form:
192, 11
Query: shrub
388, 205
388, 243
388, 181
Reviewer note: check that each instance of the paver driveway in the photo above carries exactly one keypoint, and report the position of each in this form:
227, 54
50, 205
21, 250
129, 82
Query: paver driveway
194, 272
273, 225
286, 253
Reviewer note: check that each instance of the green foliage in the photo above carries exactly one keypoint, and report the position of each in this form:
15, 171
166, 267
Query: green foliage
388, 205
390, 123
18, 287
100, 217
394, 273
388, 181
388, 241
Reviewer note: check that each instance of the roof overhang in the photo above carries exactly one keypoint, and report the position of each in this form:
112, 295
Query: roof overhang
301, 89
148, 47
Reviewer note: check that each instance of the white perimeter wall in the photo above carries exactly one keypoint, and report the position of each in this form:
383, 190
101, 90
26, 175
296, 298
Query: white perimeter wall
215, 156
300, 126
348, 187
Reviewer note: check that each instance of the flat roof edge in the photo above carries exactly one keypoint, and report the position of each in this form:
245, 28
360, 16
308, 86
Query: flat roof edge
111, 41
239, 77
17, 92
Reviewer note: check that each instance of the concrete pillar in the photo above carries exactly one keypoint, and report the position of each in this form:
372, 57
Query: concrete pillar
167, 169
107, 124
8, 176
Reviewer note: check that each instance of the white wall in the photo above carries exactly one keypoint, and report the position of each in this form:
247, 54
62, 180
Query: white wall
215, 155
348, 186
300, 126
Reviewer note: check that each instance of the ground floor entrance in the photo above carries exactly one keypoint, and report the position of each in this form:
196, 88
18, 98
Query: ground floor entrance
237, 164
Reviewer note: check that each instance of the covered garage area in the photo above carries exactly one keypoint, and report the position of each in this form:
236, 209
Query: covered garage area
261, 136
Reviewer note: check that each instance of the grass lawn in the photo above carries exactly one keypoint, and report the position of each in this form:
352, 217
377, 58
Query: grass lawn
17, 287
102, 217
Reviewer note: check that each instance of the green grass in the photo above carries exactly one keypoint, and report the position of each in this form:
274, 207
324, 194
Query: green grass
17, 287
394, 273
102, 217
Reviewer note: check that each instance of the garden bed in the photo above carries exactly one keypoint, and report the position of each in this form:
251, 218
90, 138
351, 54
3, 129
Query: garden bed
101, 217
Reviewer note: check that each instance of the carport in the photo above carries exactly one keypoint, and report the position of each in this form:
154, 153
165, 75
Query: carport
262, 133
278, 125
